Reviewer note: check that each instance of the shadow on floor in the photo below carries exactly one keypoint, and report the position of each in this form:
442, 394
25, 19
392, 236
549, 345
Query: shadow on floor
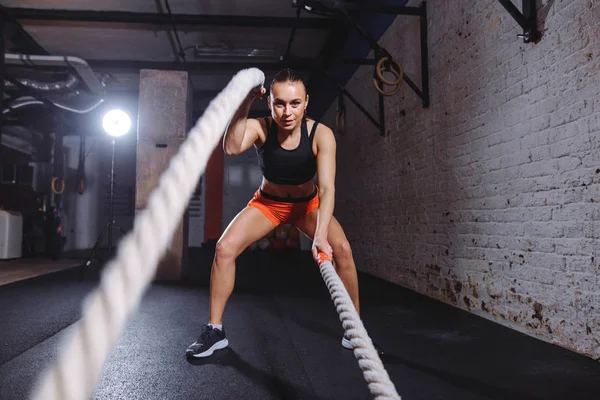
280, 387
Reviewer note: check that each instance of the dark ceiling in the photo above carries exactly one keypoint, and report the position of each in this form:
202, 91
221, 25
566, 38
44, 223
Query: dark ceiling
110, 41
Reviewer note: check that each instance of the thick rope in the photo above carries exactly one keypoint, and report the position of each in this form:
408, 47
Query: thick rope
125, 278
377, 378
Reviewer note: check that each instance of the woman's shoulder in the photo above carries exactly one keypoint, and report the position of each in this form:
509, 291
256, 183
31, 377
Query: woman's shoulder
316, 125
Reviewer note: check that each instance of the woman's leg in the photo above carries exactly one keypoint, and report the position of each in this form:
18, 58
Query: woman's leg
247, 227
342, 252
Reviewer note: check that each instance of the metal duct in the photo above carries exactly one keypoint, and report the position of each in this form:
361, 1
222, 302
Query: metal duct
79, 66
68, 84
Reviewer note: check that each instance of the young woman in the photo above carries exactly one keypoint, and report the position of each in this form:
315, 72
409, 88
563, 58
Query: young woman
291, 149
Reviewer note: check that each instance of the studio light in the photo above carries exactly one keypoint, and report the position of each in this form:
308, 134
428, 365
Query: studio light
116, 123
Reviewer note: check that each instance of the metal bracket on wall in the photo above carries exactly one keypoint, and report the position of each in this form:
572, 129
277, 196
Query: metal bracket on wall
379, 124
342, 11
527, 19
380, 52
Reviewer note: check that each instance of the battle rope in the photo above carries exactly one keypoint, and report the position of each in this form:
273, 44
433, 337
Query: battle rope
377, 378
123, 280
83, 353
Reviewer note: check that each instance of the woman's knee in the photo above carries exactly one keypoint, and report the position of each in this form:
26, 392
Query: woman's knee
227, 250
343, 252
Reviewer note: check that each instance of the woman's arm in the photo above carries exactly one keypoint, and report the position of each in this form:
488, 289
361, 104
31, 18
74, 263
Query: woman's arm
242, 132
326, 170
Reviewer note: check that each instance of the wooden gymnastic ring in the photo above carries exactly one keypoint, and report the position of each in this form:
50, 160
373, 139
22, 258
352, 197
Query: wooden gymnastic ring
380, 90
340, 120
398, 72
55, 190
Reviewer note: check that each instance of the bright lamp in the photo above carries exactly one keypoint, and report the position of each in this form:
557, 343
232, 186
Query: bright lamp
116, 123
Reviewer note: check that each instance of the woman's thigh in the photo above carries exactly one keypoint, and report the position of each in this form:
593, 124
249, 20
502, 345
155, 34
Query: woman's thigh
248, 226
335, 234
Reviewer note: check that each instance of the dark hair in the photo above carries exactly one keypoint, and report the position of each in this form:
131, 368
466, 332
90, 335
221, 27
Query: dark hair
286, 75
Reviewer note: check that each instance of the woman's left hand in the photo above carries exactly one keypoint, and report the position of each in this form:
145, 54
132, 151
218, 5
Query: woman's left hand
320, 244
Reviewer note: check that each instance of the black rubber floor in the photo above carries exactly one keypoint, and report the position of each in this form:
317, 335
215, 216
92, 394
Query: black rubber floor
285, 338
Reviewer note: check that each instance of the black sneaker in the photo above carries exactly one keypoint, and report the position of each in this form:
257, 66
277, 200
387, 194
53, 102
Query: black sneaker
211, 339
346, 343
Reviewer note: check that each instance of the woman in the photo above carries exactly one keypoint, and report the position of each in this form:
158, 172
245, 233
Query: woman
291, 150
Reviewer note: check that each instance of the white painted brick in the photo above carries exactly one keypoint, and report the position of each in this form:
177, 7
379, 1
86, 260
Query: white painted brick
579, 177
579, 229
569, 163
539, 245
572, 212
591, 124
495, 185
554, 262
579, 144
544, 107
540, 153
539, 183
535, 78
537, 94
544, 229
570, 114
542, 276
539, 168
515, 159
518, 75
583, 281
587, 264
542, 199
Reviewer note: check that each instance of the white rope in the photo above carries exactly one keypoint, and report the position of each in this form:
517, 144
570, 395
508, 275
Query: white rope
377, 378
124, 279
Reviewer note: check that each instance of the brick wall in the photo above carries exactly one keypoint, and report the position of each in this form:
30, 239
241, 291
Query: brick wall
489, 199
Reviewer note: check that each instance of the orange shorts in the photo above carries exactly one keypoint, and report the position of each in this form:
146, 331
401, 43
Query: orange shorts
281, 210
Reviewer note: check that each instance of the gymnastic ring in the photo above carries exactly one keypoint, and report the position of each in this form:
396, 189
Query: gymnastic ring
380, 68
380, 90
55, 190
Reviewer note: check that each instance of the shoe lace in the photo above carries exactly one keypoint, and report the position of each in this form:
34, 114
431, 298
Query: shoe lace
206, 329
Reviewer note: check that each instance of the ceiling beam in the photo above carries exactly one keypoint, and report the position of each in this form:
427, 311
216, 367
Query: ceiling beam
165, 19
18, 39
298, 63
317, 7
381, 8
188, 66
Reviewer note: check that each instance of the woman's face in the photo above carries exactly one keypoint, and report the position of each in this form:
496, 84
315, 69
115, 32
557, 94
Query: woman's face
288, 101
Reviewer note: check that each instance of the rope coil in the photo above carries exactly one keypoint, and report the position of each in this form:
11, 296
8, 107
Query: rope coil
82, 354
377, 378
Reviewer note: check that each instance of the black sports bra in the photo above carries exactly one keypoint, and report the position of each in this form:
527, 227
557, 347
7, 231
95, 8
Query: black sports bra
288, 167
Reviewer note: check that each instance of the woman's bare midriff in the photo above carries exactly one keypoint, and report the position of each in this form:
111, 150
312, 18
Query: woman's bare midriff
303, 190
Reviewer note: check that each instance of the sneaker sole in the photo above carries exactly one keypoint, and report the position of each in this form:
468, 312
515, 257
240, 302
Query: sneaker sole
217, 346
347, 344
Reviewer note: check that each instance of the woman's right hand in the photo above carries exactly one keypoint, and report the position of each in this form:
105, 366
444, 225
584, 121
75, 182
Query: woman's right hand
254, 93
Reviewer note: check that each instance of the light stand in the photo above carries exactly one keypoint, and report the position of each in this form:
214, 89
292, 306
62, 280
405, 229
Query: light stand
116, 123
111, 221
